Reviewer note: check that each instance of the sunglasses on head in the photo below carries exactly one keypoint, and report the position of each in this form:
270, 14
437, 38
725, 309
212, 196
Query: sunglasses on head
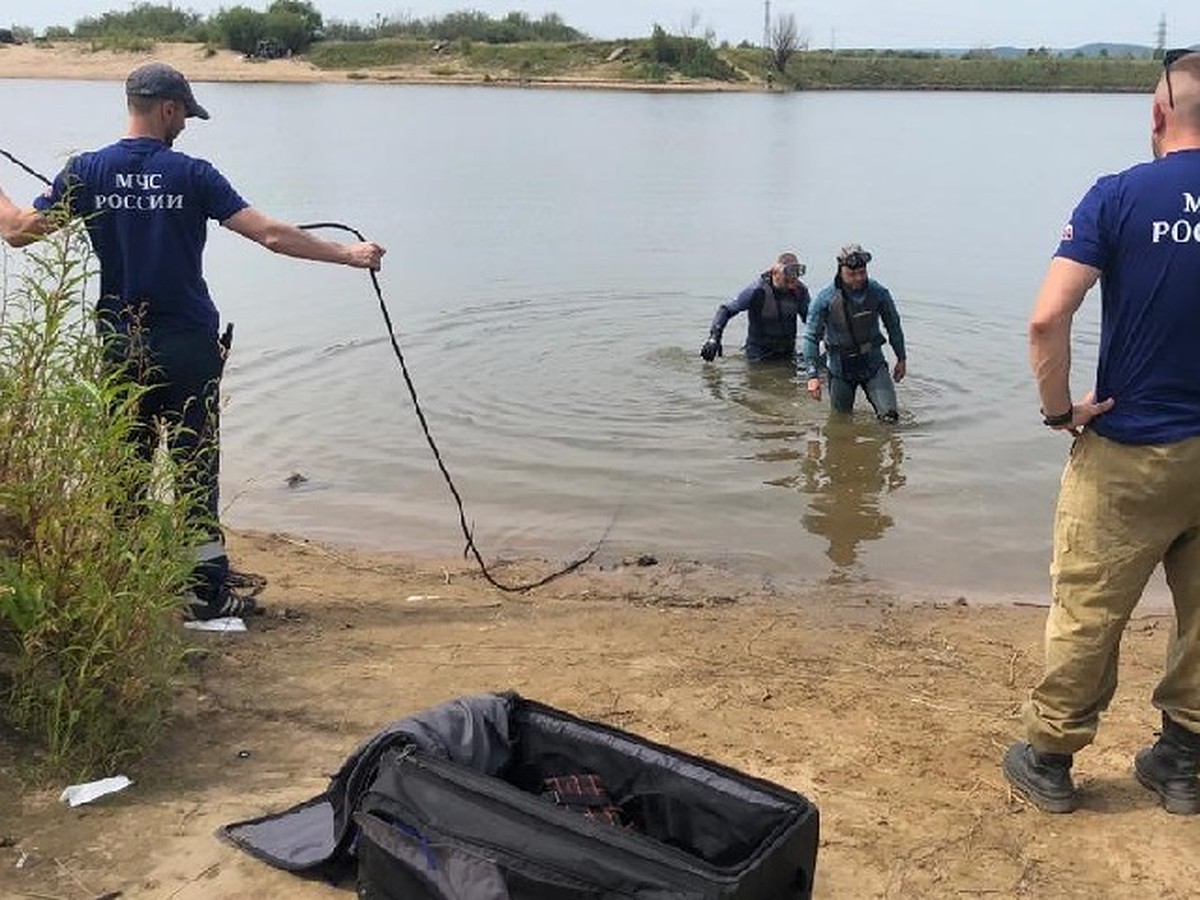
1169, 59
793, 270
856, 261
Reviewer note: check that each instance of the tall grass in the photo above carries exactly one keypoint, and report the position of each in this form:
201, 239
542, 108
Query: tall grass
665, 57
821, 69
95, 548
495, 59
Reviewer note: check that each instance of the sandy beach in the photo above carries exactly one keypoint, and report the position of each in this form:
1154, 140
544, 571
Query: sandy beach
889, 712
71, 60
75, 61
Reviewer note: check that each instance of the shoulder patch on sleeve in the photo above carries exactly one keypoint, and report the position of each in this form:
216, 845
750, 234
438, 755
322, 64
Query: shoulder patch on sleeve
1068, 232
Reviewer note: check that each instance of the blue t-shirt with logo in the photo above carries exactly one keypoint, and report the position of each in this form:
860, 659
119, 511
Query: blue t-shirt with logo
146, 208
1141, 228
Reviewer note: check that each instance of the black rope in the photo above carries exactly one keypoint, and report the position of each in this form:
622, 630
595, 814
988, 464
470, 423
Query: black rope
462, 516
22, 165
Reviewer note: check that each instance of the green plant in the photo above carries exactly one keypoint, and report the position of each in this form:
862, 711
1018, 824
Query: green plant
95, 545
145, 20
240, 28
120, 43
690, 56
655, 72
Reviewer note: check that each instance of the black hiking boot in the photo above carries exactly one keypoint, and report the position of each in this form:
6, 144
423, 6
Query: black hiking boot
1170, 768
1043, 778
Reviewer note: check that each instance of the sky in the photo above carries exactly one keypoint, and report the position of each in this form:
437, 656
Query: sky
957, 24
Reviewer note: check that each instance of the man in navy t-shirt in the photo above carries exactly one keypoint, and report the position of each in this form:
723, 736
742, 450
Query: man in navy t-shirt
146, 208
1130, 495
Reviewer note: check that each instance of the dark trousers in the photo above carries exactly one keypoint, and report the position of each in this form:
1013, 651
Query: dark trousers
180, 373
876, 384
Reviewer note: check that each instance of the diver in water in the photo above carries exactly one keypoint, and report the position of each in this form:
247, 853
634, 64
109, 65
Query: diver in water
846, 315
773, 302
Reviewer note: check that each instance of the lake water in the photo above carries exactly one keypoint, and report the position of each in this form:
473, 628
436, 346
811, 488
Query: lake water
554, 260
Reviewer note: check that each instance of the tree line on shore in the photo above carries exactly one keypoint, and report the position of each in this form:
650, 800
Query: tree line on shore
295, 25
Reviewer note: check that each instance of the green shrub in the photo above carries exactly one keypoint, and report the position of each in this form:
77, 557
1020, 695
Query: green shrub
364, 55
95, 549
653, 71
240, 27
145, 20
690, 56
121, 43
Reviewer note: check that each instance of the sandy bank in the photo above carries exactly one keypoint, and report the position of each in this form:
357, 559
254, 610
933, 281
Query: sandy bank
890, 715
75, 61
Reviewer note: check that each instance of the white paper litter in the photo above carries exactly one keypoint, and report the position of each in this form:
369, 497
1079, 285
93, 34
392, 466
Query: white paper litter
417, 598
229, 623
78, 794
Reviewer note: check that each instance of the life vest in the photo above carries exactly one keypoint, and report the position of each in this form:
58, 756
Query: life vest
857, 328
772, 326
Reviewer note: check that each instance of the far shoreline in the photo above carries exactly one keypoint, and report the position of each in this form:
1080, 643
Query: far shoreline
76, 61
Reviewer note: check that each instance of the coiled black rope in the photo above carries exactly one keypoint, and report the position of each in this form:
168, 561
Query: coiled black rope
437, 455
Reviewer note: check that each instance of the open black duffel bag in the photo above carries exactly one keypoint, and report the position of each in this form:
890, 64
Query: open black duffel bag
479, 799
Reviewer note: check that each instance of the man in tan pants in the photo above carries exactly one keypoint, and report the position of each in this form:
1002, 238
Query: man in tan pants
1130, 495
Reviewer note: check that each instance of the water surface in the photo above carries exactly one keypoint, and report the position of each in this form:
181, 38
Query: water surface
554, 261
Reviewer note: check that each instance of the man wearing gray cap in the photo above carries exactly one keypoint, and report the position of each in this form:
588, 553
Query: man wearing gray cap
846, 315
158, 81
146, 208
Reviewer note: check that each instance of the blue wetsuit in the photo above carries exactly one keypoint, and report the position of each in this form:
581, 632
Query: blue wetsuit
772, 313
849, 325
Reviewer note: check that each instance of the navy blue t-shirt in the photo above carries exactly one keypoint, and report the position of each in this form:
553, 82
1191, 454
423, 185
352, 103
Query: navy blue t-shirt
1141, 228
146, 208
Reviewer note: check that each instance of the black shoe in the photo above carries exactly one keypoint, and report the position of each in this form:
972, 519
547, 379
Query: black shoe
1170, 773
231, 605
248, 583
1044, 778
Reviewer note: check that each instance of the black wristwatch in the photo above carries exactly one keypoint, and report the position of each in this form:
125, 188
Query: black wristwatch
1060, 420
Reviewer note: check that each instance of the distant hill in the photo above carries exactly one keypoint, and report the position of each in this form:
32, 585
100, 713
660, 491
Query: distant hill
1137, 51
1115, 51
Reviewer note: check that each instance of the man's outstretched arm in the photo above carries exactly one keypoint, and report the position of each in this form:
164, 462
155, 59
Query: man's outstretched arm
280, 237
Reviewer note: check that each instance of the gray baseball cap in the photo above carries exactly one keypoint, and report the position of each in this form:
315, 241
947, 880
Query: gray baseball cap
165, 83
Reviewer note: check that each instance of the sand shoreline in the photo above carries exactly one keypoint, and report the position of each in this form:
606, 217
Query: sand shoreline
891, 717
77, 62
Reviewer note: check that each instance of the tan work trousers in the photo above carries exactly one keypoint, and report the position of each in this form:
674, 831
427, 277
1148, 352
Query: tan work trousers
1121, 510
